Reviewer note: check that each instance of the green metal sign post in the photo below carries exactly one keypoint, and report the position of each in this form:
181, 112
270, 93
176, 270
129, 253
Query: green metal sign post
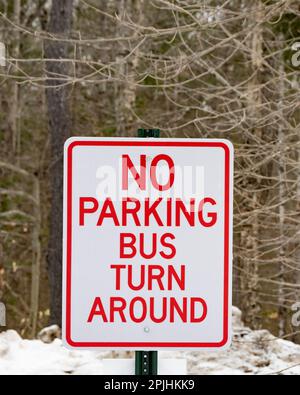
146, 362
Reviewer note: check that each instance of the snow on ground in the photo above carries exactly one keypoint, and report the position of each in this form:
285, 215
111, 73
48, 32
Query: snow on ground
252, 352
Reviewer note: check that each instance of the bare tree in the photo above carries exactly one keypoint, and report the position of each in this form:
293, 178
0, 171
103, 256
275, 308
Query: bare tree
193, 69
127, 61
60, 128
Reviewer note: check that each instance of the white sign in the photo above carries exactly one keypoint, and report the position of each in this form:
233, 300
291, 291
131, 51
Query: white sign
147, 243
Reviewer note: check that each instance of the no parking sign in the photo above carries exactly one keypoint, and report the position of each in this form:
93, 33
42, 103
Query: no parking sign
147, 243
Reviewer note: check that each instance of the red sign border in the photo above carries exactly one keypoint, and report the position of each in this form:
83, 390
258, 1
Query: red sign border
150, 143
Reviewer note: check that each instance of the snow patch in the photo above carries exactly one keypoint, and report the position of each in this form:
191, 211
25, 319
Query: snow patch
252, 352
49, 334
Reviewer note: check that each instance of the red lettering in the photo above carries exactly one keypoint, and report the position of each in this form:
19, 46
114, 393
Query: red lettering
108, 211
153, 177
173, 275
126, 210
117, 305
139, 178
118, 269
86, 210
132, 314
129, 244
155, 276
181, 311
146, 212
151, 210
168, 245
97, 310
139, 309
153, 244
211, 215
130, 279
163, 316
189, 215
169, 212
195, 319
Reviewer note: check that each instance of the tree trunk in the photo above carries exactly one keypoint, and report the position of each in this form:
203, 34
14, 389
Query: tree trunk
125, 89
281, 201
250, 237
14, 114
36, 261
60, 126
